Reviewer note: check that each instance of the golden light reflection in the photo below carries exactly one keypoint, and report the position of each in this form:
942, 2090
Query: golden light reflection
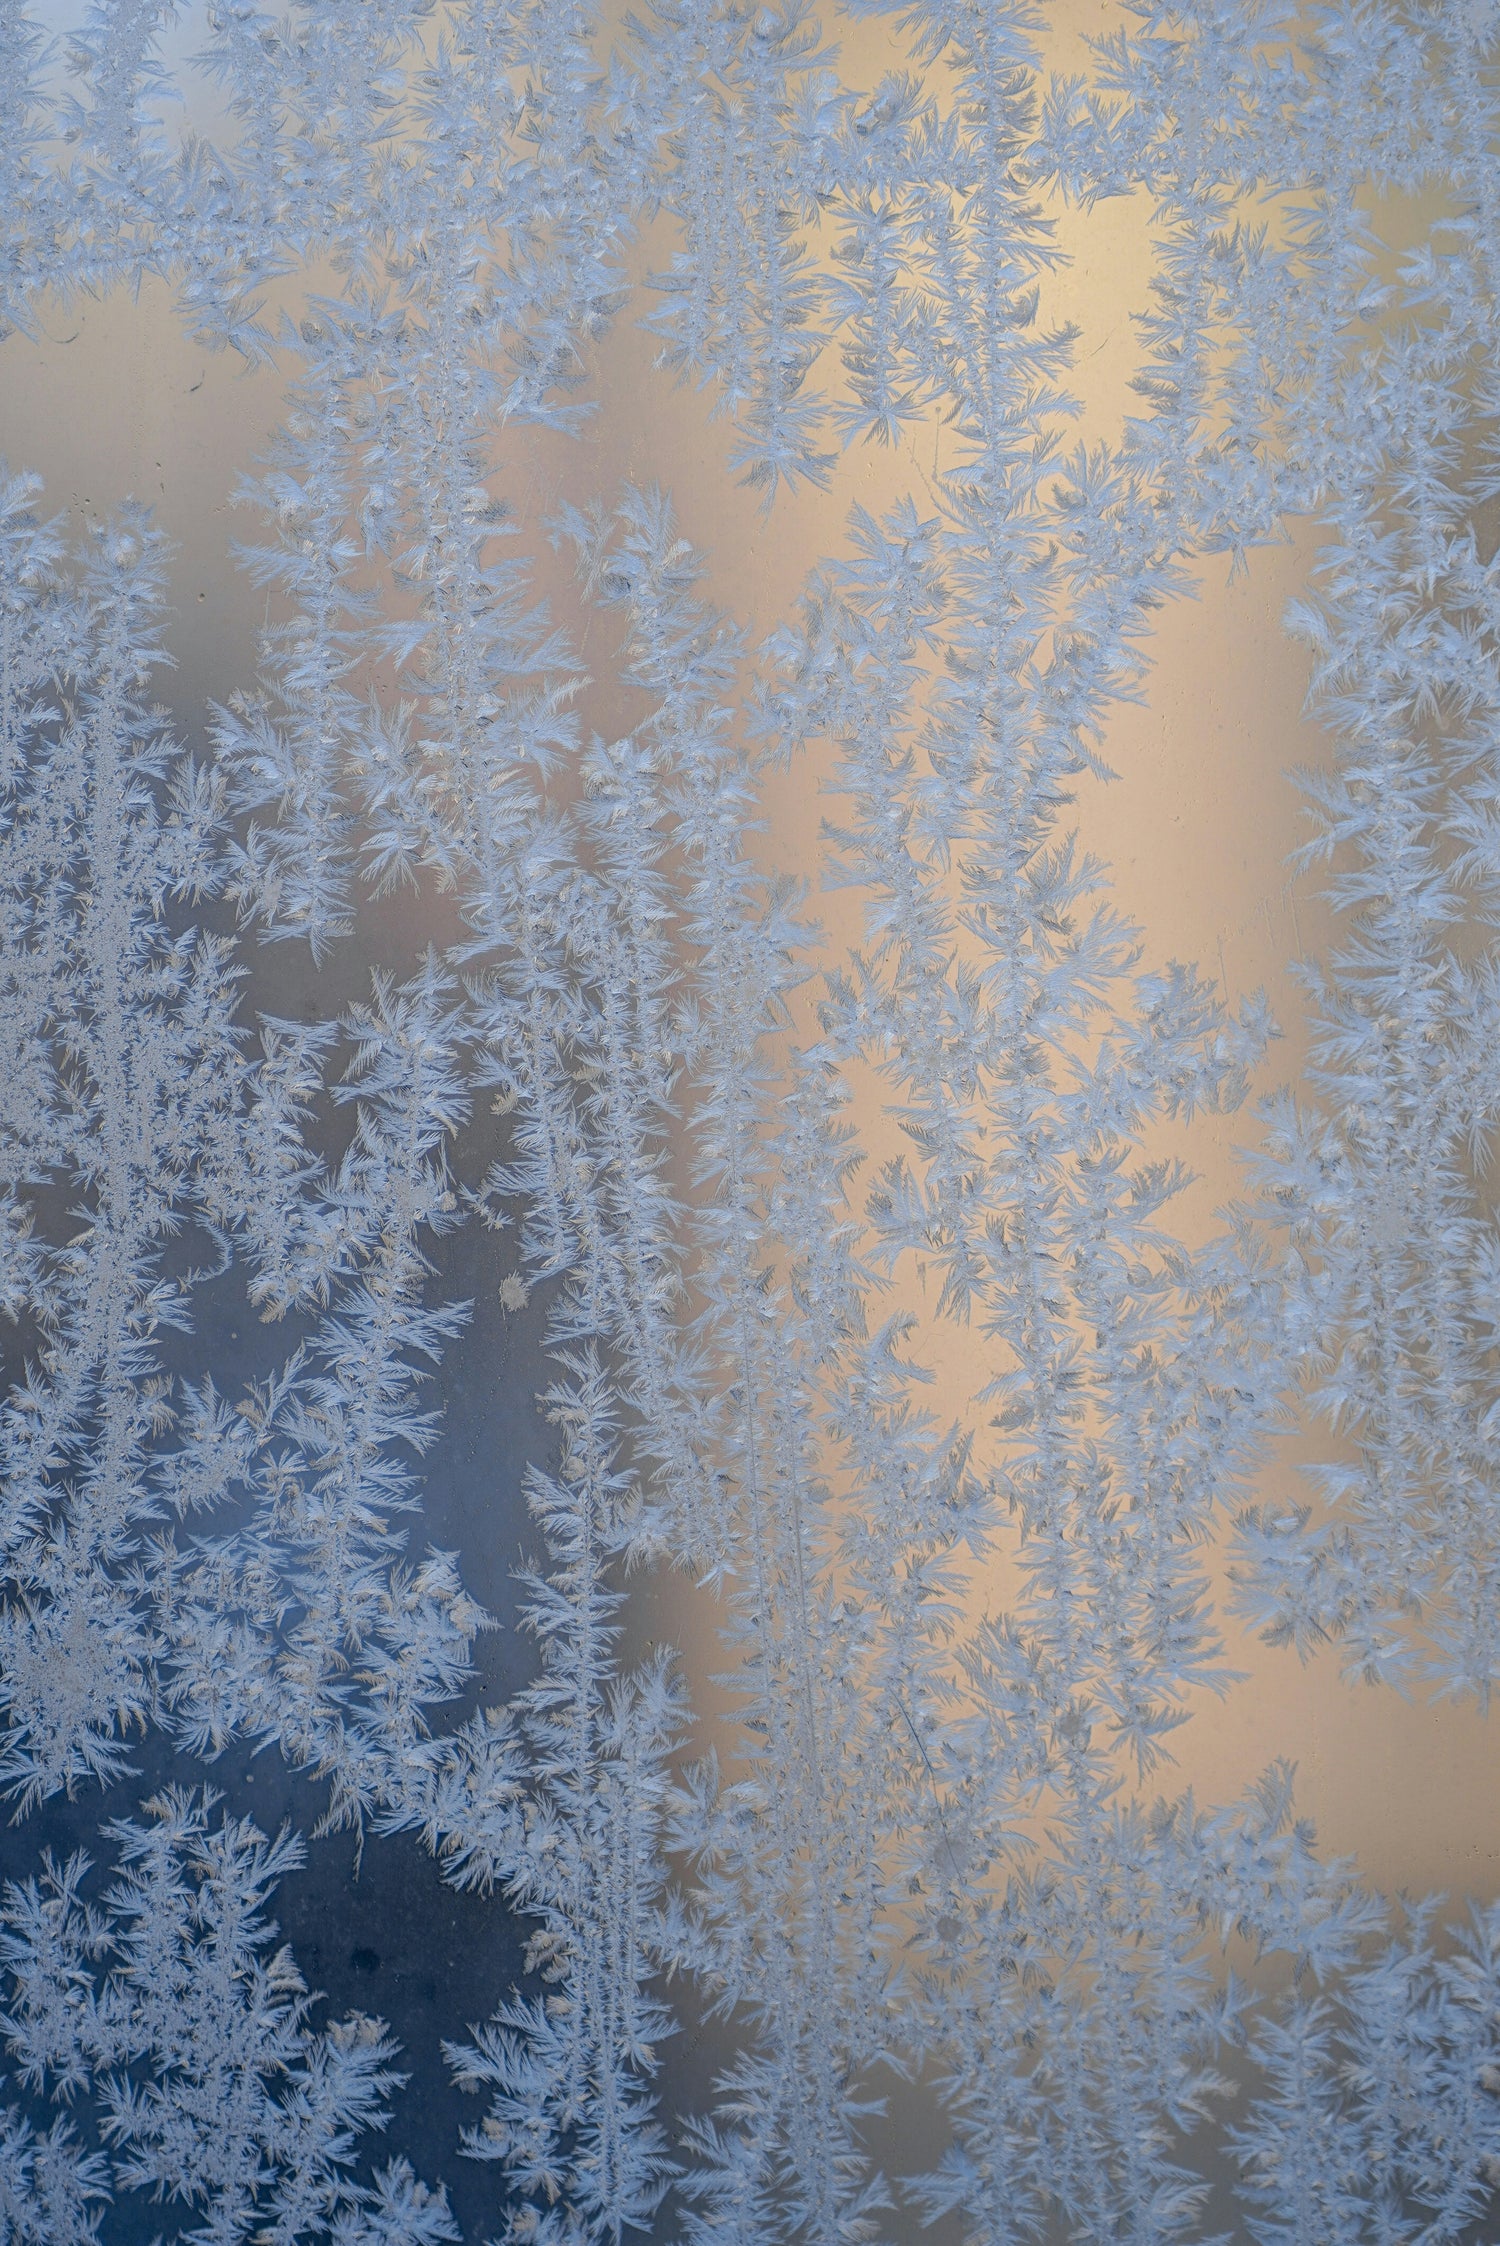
1197, 828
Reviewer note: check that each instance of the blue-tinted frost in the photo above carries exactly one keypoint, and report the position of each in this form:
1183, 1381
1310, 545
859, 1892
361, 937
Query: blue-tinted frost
924, 1844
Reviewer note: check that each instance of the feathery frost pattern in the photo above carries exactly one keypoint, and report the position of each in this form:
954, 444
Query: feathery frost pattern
456, 939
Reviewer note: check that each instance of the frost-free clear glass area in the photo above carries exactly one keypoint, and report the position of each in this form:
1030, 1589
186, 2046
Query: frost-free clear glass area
750, 1451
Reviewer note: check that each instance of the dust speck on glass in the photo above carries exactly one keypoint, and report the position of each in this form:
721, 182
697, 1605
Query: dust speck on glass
626, 1460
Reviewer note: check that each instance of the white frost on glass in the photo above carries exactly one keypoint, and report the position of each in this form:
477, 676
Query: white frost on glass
922, 1843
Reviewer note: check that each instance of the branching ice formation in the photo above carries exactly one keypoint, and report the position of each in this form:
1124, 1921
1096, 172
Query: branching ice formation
956, 1645
169, 2013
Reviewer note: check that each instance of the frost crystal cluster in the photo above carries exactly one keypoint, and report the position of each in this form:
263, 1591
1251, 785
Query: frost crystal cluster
445, 995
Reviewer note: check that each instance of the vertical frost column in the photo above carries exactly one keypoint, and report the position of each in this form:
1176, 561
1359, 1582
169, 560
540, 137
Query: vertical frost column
126, 1094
